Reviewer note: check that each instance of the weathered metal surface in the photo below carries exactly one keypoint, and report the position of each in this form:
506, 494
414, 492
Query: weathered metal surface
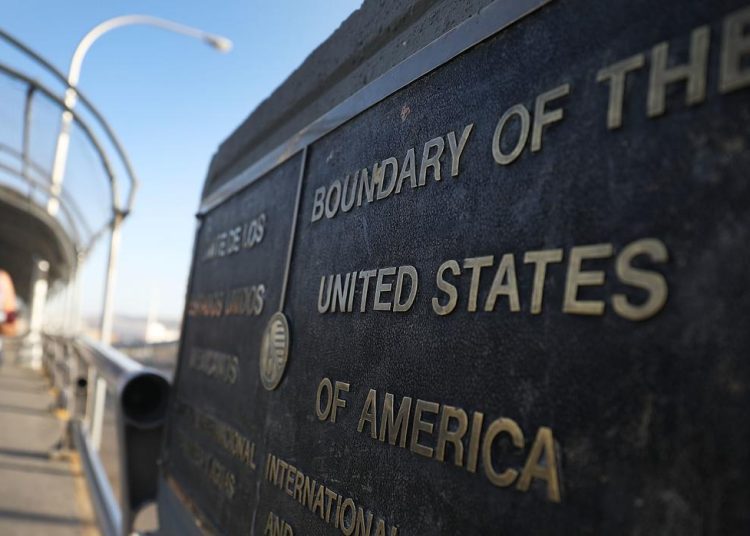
550, 274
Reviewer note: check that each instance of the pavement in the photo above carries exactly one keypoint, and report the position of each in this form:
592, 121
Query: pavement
38, 495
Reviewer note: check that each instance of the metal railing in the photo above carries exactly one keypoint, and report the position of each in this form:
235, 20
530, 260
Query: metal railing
88, 376
90, 204
140, 395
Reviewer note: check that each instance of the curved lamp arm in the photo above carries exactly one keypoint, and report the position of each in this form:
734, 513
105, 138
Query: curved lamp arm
218, 42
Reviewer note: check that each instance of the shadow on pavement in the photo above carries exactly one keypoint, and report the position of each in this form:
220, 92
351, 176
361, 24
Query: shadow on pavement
25, 410
34, 454
34, 517
26, 468
22, 387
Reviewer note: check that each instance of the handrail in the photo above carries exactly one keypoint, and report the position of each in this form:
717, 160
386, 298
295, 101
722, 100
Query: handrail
118, 210
115, 367
64, 205
105, 504
81, 123
23, 159
113, 138
65, 196
140, 395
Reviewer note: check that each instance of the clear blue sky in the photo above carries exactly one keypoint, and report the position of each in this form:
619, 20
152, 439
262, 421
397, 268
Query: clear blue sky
172, 101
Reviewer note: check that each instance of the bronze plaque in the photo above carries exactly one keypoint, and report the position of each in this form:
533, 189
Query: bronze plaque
509, 295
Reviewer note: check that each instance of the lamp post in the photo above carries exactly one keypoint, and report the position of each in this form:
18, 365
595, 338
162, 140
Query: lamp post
222, 44
97, 386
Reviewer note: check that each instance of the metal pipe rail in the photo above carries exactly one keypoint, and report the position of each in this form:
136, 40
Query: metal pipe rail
140, 394
43, 181
114, 140
85, 128
82, 235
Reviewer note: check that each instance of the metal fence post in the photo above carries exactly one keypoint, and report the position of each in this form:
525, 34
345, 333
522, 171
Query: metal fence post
97, 415
91, 377
105, 332
31, 350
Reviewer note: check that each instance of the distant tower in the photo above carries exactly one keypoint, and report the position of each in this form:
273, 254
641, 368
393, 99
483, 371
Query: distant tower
154, 329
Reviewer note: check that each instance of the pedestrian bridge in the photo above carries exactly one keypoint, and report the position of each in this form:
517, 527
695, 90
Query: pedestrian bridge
550, 337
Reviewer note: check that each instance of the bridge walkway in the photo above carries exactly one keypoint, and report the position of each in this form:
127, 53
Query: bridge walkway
38, 495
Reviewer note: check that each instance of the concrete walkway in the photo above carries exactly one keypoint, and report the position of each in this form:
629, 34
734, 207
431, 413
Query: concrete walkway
38, 496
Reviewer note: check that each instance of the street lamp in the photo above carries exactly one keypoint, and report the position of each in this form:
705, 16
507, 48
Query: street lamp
222, 44
218, 42
97, 386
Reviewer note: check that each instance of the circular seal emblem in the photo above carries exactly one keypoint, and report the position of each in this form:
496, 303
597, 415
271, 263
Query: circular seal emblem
274, 351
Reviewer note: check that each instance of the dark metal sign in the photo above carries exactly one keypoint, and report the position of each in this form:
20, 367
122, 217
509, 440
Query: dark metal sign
508, 297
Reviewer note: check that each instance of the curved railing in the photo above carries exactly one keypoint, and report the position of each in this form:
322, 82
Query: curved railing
37, 177
87, 200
